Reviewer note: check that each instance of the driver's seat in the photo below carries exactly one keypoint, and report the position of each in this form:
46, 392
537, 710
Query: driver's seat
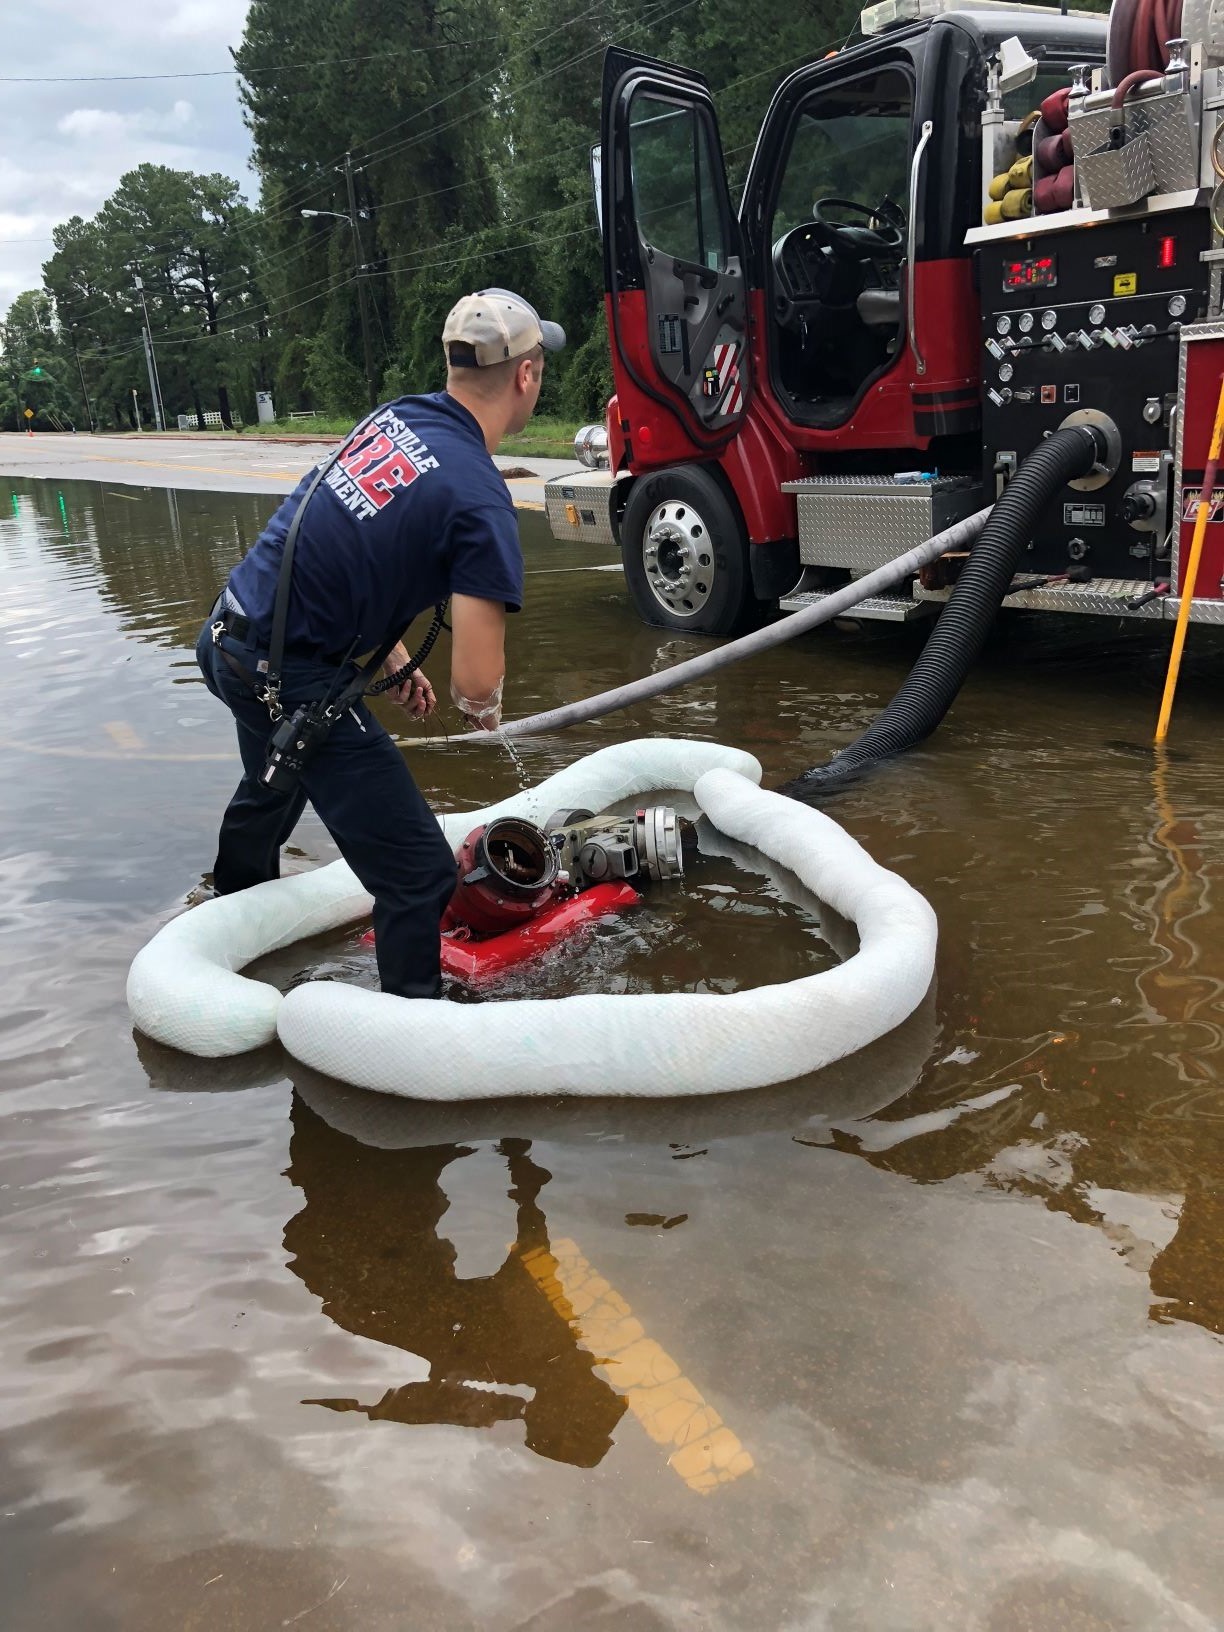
880, 308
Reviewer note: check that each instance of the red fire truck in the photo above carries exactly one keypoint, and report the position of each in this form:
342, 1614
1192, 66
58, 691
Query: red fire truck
851, 359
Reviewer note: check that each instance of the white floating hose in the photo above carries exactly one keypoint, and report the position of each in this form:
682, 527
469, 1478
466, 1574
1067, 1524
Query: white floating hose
655, 1043
184, 988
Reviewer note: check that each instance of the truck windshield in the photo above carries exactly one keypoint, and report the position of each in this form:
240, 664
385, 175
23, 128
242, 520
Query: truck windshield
1050, 77
852, 141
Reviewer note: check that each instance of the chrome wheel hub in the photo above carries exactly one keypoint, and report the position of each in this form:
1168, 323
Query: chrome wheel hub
678, 555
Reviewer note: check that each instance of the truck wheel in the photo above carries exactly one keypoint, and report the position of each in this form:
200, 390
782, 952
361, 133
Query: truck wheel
686, 554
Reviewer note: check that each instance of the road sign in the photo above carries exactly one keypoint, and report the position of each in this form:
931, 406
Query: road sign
29, 413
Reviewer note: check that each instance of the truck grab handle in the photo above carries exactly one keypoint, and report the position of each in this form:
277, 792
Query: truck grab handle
911, 245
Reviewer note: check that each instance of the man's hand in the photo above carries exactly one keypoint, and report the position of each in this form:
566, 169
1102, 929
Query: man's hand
416, 695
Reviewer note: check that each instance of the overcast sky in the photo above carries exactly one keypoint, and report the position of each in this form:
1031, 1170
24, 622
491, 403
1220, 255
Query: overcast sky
64, 147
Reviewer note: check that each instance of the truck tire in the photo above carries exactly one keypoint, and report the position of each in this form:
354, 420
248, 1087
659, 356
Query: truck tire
685, 550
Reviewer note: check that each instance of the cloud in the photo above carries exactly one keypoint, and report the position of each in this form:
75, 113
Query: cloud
106, 123
64, 147
204, 20
92, 123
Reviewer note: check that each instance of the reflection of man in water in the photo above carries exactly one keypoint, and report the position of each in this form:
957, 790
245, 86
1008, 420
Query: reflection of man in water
367, 1243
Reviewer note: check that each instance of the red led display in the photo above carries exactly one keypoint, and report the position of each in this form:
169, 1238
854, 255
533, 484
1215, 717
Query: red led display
1036, 272
1168, 253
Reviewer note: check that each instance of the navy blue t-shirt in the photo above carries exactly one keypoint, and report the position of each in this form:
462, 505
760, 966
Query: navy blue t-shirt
414, 510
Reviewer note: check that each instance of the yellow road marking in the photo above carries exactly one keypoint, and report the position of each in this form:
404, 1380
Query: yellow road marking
70, 751
670, 1406
122, 735
211, 470
139, 752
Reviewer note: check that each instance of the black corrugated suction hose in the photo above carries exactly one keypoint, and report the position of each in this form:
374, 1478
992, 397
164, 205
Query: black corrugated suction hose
957, 638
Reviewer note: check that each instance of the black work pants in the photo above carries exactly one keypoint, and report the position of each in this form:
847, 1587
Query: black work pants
363, 791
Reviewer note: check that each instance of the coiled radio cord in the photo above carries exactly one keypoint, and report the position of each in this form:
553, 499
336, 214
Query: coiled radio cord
404, 673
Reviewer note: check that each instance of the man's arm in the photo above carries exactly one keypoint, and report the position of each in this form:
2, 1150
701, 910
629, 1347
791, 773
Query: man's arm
478, 659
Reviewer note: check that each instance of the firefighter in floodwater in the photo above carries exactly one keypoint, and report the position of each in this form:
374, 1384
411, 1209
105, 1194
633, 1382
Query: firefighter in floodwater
412, 512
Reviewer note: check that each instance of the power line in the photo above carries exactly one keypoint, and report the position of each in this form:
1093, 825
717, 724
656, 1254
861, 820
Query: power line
490, 253
303, 189
226, 73
549, 73
411, 263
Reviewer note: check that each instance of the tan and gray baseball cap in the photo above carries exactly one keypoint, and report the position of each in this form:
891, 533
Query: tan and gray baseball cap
494, 326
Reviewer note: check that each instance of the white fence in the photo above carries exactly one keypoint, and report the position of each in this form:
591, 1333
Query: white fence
212, 421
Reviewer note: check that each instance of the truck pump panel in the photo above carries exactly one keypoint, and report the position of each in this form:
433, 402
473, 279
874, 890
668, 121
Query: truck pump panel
1089, 322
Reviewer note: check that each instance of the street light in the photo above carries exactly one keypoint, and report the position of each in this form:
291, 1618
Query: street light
350, 215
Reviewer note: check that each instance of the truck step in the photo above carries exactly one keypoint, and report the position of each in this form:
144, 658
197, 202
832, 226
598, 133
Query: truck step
876, 608
1103, 597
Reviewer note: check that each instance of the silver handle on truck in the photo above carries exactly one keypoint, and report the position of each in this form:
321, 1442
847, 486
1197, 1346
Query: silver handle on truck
912, 244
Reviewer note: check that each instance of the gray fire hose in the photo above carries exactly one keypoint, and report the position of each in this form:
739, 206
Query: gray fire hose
957, 537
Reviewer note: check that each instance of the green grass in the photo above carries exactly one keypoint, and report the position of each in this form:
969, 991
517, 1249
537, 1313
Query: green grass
317, 425
544, 438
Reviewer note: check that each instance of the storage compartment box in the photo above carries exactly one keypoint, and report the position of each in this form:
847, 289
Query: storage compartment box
861, 522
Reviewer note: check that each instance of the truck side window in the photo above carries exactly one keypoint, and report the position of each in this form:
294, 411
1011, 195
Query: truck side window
851, 141
673, 167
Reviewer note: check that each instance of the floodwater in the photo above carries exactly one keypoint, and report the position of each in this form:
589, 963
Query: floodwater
277, 1352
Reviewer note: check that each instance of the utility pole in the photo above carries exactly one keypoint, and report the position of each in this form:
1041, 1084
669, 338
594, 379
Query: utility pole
149, 364
159, 413
362, 292
89, 413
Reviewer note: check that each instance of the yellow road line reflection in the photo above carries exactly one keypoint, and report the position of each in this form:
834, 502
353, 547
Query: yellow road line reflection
123, 736
669, 1405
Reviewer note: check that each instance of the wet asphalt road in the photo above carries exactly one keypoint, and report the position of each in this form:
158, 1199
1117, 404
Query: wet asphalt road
212, 464
273, 1351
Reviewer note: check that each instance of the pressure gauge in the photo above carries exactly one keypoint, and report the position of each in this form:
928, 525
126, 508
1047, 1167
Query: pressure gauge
1026, 322
1049, 320
1096, 314
1005, 372
1177, 305
1003, 326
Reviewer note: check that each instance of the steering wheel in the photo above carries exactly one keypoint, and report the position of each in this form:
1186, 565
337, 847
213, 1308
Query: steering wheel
884, 237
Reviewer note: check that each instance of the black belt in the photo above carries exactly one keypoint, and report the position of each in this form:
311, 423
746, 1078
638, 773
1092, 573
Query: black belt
233, 623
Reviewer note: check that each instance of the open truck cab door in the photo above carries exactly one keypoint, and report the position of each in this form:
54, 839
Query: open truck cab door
673, 264
826, 331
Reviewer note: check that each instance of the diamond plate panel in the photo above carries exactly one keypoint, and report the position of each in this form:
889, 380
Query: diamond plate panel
1113, 177
1173, 139
876, 608
1105, 597
1168, 123
863, 522
579, 507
